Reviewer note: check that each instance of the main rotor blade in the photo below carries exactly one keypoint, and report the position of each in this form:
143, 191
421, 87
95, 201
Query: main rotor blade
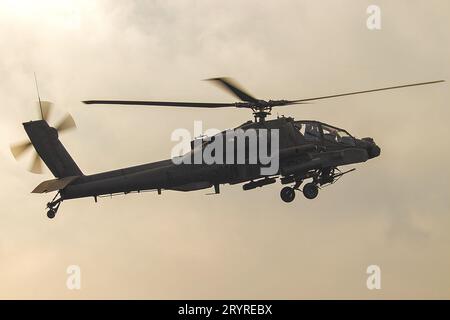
232, 87
19, 148
36, 165
162, 103
367, 91
66, 124
282, 103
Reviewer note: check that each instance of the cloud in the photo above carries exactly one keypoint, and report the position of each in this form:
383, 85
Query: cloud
392, 211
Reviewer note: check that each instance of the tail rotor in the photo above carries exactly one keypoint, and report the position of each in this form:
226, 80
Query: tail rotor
19, 149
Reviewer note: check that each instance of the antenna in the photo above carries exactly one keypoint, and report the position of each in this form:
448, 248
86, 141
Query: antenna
39, 97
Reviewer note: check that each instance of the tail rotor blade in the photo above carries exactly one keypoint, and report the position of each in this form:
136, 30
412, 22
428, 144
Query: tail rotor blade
18, 149
66, 124
36, 165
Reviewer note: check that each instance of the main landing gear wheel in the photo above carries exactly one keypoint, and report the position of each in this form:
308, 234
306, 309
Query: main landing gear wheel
287, 194
310, 190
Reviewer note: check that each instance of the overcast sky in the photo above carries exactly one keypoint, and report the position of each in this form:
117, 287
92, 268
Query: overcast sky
392, 212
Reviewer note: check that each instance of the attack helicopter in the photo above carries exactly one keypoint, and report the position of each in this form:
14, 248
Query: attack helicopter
308, 150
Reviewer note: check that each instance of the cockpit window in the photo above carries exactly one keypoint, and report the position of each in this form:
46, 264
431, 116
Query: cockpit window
335, 135
309, 130
330, 134
316, 132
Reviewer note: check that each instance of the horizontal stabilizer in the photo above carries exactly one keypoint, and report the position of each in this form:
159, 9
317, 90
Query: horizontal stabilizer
54, 184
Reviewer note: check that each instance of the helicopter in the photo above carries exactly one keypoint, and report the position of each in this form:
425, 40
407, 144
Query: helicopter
309, 153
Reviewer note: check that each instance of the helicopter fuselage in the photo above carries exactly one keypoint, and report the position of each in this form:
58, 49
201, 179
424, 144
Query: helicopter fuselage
307, 149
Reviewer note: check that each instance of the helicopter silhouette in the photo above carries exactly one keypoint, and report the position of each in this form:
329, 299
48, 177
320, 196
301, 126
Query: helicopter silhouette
307, 150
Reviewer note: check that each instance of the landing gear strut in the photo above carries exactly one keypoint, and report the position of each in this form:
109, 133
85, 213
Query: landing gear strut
320, 178
53, 206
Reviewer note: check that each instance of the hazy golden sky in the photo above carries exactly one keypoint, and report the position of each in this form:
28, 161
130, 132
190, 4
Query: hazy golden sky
392, 212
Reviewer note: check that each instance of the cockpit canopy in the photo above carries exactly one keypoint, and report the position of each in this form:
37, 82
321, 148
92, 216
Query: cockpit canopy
314, 131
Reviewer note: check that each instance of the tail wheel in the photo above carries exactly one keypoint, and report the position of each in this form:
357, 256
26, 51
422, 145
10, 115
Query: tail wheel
287, 194
51, 213
310, 190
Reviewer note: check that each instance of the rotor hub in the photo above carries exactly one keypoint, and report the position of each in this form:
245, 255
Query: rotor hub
260, 113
